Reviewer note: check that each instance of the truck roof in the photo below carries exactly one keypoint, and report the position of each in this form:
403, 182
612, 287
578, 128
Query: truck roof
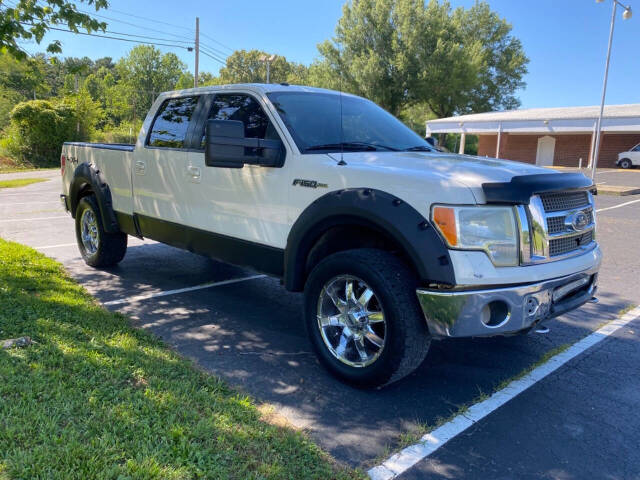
256, 87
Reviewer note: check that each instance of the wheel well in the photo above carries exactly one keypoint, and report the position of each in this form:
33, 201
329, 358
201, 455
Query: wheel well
83, 191
351, 236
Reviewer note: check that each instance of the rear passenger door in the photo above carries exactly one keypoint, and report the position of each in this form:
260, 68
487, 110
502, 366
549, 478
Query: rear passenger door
161, 166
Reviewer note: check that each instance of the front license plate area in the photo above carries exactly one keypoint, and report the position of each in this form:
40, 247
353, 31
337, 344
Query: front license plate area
561, 292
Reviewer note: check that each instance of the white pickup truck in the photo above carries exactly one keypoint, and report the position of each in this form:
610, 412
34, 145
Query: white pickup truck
393, 243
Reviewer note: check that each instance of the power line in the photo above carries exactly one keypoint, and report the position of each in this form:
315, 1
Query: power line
216, 41
151, 20
217, 51
147, 37
113, 38
208, 50
133, 24
183, 39
161, 23
212, 57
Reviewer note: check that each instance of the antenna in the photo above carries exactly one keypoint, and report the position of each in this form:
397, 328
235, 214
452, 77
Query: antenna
341, 162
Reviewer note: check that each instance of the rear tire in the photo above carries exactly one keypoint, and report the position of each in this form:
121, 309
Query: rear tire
374, 335
625, 163
97, 247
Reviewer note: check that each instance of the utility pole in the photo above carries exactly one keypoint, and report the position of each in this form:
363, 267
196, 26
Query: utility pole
77, 116
195, 76
596, 147
268, 60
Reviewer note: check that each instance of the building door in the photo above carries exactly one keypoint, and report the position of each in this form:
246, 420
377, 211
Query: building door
546, 149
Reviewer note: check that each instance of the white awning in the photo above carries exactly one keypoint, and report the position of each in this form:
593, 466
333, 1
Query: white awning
617, 118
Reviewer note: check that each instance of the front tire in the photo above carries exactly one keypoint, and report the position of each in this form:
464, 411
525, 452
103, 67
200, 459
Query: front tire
363, 317
97, 247
625, 163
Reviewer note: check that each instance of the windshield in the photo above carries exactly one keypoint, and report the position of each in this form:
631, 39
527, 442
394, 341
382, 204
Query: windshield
313, 119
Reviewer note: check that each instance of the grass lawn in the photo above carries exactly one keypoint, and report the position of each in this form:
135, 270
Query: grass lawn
8, 165
25, 169
20, 182
96, 398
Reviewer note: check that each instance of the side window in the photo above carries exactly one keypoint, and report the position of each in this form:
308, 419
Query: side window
170, 126
636, 148
245, 109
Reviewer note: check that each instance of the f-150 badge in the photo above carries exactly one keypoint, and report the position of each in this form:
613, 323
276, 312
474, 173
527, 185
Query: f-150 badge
309, 183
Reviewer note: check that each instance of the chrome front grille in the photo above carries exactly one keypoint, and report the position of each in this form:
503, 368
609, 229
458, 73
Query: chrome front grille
556, 225
555, 202
560, 246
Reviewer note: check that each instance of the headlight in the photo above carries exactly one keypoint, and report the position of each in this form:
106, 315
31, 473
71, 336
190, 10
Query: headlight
490, 229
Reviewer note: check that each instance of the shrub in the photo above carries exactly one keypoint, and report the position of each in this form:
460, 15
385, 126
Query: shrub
37, 130
126, 132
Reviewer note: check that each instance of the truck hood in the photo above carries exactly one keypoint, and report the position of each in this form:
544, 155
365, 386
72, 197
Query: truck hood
468, 170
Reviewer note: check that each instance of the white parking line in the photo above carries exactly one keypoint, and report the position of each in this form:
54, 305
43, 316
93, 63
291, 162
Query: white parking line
180, 290
25, 203
408, 457
31, 219
2, 194
55, 246
617, 206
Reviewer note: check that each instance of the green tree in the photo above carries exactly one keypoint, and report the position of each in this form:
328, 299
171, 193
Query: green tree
26, 77
146, 72
87, 112
403, 52
415, 116
30, 20
38, 129
185, 81
246, 67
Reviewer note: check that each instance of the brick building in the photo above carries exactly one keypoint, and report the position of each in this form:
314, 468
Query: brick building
548, 136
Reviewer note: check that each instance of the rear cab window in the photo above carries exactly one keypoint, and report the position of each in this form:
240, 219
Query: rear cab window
172, 122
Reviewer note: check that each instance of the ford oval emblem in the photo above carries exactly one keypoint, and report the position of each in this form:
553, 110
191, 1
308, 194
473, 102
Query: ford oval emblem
577, 221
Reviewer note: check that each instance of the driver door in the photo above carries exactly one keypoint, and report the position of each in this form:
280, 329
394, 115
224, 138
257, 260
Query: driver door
248, 203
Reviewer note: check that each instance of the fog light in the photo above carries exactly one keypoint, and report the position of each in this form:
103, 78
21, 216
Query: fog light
495, 314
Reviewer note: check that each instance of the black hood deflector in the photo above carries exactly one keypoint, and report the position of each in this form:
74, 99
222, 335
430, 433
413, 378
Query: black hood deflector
520, 189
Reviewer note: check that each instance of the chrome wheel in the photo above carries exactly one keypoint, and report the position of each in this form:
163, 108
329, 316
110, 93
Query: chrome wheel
89, 232
351, 321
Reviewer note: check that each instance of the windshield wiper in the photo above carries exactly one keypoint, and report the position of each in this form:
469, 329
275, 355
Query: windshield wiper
351, 146
420, 148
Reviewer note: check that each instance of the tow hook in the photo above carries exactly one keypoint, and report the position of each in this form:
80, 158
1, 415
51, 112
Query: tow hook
541, 329
594, 300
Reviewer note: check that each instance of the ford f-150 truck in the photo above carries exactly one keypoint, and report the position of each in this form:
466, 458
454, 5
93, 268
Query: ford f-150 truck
393, 243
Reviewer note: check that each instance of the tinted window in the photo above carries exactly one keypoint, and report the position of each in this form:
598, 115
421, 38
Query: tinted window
170, 126
328, 120
245, 109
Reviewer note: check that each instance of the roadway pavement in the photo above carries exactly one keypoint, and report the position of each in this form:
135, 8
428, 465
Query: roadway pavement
250, 332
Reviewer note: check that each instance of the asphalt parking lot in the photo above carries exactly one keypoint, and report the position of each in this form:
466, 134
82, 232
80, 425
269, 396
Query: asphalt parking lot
579, 422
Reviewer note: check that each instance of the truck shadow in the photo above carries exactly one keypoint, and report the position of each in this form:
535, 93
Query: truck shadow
252, 334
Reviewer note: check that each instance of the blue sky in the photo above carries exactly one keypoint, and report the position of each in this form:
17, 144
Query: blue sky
566, 40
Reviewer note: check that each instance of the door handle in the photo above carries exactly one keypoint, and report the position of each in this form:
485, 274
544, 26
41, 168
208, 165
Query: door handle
193, 171
140, 167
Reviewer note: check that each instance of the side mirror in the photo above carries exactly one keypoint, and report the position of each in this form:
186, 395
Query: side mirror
227, 147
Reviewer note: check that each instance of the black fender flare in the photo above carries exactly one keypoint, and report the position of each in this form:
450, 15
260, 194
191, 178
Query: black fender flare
86, 175
389, 214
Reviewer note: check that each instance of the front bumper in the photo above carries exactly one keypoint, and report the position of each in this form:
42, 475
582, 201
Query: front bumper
500, 311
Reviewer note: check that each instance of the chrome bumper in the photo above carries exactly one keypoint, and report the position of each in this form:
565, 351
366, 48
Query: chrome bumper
500, 311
